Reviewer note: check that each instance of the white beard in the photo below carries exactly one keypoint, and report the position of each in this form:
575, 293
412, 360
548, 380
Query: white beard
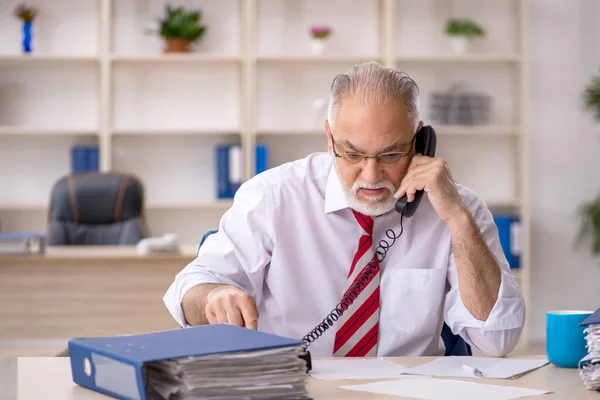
372, 205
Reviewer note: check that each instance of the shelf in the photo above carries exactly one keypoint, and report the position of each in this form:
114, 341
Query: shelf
24, 207
44, 59
476, 130
432, 58
503, 204
32, 131
290, 132
467, 58
174, 58
294, 59
207, 205
215, 204
450, 130
172, 132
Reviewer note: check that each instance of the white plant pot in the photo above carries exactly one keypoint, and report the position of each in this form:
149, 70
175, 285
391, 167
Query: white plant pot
317, 46
460, 44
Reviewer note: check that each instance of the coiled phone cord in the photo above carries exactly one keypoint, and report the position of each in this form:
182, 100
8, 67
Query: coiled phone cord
352, 293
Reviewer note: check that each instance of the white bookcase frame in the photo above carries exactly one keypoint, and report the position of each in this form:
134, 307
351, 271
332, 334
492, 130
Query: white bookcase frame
248, 63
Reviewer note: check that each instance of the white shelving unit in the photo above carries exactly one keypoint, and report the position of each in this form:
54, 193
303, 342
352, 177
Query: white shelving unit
96, 77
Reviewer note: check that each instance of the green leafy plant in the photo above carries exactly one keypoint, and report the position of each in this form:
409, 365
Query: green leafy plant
591, 97
178, 23
463, 27
590, 223
590, 212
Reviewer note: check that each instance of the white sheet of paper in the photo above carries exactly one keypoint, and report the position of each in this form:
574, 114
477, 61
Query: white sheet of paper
501, 368
445, 389
356, 369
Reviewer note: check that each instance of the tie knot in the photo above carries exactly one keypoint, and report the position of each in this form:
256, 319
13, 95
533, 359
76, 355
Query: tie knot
365, 222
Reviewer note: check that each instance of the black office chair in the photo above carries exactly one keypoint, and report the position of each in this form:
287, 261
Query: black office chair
97, 209
455, 344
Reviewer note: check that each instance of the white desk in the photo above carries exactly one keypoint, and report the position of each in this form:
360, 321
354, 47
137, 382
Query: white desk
50, 378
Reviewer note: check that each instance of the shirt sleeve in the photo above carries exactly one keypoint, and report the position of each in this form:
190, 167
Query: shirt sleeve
236, 254
499, 334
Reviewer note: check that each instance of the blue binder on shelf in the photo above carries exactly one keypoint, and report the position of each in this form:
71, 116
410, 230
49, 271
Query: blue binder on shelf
222, 168
262, 158
116, 366
85, 159
230, 167
509, 234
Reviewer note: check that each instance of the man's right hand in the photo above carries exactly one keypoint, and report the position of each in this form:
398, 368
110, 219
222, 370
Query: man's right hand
231, 305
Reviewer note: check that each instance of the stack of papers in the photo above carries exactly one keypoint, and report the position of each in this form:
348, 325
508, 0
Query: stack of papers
462, 367
361, 368
266, 374
444, 389
589, 366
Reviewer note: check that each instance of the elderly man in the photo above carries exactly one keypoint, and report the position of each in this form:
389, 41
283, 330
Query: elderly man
300, 236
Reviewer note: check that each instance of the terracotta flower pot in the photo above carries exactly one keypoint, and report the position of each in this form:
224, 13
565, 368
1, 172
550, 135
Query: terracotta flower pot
177, 45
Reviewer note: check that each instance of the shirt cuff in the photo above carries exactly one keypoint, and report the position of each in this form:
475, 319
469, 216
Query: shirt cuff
508, 311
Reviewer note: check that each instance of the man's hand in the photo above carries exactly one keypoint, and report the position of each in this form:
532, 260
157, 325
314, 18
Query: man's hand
433, 175
479, 274
231, 305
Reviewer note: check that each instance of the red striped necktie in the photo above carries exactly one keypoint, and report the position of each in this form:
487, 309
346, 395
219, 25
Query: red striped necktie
358, 327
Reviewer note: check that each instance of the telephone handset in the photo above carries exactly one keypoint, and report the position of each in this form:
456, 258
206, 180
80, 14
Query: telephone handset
425, 142
425, 145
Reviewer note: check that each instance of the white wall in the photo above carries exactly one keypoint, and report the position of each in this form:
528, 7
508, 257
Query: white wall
565, 155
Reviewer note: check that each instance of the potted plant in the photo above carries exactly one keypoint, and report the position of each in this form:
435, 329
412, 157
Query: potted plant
27, 15
180, 28
461, 32
590, 212
590, 223
591, 97
319, 34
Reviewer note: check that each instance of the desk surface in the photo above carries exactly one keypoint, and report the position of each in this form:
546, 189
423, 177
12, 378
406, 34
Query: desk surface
113, 253
50, 377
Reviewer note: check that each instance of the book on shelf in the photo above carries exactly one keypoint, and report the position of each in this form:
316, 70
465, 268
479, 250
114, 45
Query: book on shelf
85, 159
509, 229
230, 167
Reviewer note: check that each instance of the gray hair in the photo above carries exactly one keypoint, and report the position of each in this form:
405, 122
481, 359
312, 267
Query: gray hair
372, 83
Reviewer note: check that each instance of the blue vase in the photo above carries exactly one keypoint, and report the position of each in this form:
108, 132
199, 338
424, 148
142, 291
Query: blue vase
27, 36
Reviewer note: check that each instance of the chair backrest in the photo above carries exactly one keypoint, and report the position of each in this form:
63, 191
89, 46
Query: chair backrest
97, 209
455, 345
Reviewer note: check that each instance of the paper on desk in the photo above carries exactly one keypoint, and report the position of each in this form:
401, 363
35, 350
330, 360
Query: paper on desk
502, 368
356, 369
445, 389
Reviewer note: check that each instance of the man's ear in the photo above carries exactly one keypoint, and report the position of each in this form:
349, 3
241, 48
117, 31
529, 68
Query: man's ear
328, 132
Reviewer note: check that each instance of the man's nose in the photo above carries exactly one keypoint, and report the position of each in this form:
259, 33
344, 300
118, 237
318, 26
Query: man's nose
371, 172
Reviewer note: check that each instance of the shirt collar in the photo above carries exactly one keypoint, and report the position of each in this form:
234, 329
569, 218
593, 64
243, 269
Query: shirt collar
335, 198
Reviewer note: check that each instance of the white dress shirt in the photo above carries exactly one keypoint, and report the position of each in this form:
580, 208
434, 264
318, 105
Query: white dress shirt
289, 239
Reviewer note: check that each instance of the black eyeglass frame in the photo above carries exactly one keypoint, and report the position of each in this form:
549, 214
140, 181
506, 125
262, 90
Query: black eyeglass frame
377, 157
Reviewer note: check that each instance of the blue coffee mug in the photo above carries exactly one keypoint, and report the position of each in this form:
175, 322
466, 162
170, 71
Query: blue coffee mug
565, 340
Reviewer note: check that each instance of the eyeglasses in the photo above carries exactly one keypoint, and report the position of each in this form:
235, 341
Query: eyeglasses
354, 157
